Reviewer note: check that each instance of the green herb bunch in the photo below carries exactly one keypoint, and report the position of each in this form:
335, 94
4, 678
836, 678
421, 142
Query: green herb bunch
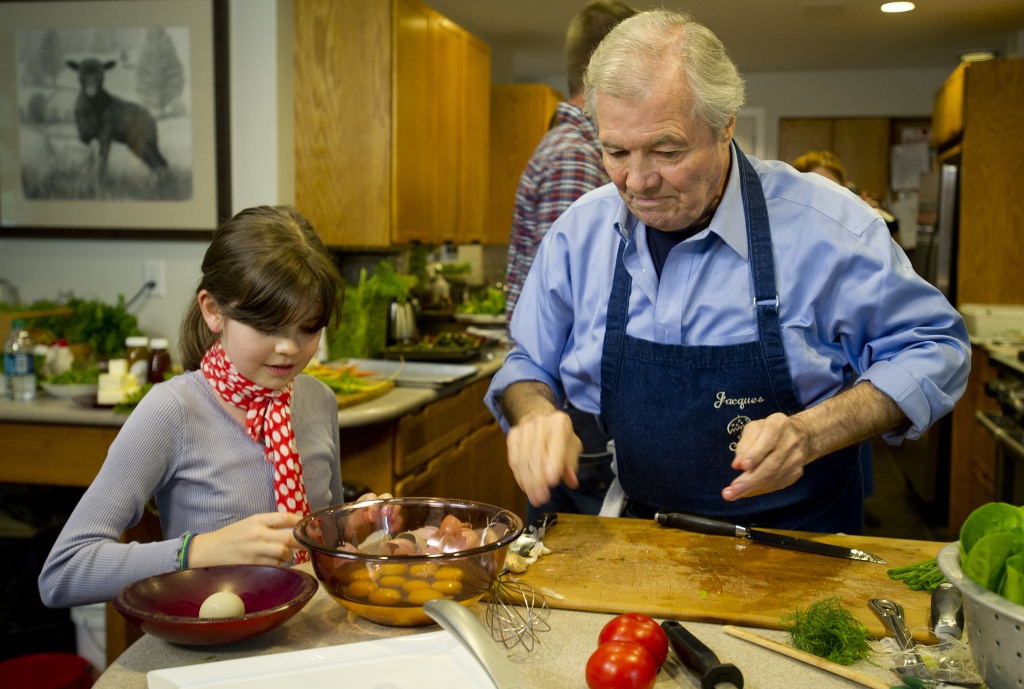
362, 331
102, 326
828, 630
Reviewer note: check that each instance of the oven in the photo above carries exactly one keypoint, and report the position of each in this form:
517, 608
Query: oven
1006, 427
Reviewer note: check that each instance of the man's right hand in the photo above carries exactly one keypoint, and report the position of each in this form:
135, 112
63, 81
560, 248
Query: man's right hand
543, 450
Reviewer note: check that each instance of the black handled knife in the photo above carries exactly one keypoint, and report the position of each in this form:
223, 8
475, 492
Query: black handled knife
698, 657
691, 522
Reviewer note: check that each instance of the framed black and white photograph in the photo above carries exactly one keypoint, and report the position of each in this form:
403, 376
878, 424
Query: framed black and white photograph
113, 117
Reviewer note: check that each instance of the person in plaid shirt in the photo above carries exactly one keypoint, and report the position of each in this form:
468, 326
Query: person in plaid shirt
566, 165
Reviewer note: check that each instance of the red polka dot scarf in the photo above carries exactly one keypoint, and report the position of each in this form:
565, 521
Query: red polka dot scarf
268, 418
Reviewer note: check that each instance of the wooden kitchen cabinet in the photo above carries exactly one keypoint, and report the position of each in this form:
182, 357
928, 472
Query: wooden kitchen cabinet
387, 98
978, 114
474, 157
948, 113
520, 115
989, 151
973, 451
862, 144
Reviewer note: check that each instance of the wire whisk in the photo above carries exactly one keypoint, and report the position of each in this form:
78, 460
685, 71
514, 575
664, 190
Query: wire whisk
516, 612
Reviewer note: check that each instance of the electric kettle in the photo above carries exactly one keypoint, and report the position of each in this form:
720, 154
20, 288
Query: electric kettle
402, 321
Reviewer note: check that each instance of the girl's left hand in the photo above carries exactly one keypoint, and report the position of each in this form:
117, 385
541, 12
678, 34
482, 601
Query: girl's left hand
262, 539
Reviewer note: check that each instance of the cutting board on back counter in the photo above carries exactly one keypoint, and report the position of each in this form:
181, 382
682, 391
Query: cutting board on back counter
608, 565
353, 398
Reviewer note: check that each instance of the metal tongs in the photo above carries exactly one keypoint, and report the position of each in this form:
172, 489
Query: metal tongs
891, 615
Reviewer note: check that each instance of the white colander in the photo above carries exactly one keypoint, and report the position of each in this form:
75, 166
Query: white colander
994, 626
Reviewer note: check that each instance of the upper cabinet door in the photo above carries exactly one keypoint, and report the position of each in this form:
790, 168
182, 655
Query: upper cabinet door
474, 153
520, 116
414, 117
343, 119
385, 123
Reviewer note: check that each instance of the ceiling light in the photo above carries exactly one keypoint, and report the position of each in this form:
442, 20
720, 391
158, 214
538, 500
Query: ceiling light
897, 7
977, 55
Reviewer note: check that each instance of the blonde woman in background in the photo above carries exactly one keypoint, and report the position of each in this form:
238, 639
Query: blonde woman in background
826, 164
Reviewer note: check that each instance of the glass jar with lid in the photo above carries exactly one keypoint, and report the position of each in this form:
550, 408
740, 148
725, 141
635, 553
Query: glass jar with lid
159, 360
137, 356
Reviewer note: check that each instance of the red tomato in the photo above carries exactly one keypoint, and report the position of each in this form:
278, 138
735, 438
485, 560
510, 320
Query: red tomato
640, 629
621, 665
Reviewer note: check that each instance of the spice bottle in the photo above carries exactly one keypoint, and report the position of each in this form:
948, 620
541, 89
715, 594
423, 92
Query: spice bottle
137, 355
159, 360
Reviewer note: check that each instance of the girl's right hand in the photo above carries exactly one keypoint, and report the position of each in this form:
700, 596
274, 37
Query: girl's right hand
262, 539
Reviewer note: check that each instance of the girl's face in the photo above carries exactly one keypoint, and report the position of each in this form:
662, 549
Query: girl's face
270, 359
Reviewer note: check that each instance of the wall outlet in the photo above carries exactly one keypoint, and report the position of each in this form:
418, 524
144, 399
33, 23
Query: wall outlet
153, 271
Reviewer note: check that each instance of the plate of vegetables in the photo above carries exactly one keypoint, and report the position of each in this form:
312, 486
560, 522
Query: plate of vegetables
486, 307
73, 383
351, 384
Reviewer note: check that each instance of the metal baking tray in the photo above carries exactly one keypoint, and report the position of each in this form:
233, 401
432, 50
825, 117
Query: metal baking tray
414, 374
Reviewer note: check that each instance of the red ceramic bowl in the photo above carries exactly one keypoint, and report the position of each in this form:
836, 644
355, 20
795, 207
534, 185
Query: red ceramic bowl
355, 554
167, 605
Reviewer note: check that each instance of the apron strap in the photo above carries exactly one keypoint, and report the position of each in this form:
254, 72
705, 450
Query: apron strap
766, 296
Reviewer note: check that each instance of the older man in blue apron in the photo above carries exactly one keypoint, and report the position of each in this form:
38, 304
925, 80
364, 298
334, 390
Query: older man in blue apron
738, 327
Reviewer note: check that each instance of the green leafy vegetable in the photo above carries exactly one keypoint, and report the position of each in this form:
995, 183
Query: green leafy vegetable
87, 375
919, 576
102, 326
992, 549
490, 301
828, 630
990, 518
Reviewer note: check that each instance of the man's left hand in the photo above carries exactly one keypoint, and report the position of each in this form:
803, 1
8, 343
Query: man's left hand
771, 454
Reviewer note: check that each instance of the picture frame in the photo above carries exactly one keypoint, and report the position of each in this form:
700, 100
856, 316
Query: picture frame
149, 156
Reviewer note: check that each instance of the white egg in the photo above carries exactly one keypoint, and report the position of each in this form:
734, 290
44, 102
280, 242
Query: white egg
222, 604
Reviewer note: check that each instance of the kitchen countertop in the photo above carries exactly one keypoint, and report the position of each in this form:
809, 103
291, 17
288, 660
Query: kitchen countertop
557, 661
397, 402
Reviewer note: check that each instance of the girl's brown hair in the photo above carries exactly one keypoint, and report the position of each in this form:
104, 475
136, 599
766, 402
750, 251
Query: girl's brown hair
266, 267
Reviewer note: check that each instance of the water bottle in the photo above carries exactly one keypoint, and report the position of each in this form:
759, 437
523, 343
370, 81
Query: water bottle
19, 363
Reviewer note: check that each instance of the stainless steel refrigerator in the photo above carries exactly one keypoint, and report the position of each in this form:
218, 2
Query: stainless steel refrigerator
925, 463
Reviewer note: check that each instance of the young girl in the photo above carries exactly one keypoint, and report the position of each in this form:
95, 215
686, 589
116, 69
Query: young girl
237, 449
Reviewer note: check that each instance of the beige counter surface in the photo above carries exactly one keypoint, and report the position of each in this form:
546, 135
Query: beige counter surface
397, 402
556, 662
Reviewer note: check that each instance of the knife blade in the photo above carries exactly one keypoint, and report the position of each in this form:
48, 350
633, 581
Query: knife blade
714, 527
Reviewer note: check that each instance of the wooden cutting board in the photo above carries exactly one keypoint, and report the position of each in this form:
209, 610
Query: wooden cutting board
633, 565
365, 396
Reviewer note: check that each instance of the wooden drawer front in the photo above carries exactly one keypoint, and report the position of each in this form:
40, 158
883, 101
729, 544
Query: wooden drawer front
481, 414
426, 433
438, 478
366, 456
54, 455
491, 477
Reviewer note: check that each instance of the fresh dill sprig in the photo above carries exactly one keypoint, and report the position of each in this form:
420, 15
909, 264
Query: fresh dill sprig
828, 630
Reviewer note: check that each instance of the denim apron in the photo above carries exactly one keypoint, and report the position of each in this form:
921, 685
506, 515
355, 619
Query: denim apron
676, 411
